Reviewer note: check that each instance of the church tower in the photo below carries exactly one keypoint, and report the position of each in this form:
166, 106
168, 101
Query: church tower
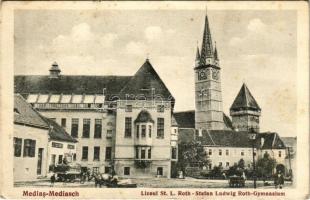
245, 111
208, 96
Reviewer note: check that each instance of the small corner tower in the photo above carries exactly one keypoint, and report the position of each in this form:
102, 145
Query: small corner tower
245, 111
54, 71
208, 96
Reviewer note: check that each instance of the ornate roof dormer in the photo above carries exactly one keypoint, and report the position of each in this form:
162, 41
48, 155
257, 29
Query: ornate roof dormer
55, 71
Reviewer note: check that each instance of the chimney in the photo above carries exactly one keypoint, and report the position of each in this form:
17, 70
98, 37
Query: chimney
54, 71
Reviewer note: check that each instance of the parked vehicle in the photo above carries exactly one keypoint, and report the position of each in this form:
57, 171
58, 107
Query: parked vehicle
68, 173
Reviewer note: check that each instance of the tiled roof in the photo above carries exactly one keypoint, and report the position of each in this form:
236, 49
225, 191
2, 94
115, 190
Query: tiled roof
173, 121
226, 138
144, 83
25, 114
290, 141
271, 141
244, 100
147, 83
230, 138
70, 84
144, 116
58, 133
186, 135
186, 119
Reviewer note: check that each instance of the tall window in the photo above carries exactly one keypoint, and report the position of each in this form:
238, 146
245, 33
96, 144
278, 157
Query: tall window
96, 153
63, 122
29, 148
86, 128
108, 153
85, 153
279, 154
160, 127
137, 153
150, 131
138, 131
149, 154
174, 153
17, 147
220, 152
227, 164
143, 131
128, 126
74, 127
142, 153
98, 128
227, 152
210, 152
242, 153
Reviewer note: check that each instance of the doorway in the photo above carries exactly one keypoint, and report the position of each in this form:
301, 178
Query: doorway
40, 160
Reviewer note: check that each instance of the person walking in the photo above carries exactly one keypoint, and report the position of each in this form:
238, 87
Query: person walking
276, 180
53, 178
281, 180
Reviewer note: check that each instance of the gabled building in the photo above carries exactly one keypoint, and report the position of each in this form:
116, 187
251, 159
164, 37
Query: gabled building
30, 142
122, 123
37, 141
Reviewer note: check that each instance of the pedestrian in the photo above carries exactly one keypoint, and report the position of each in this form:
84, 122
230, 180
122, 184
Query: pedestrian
53, 180
276, 180
281, 180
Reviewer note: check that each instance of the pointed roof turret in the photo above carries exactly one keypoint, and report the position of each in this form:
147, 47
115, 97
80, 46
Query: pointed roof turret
215, 53
54, 71
197, 54
55, 67
244, 100
207, 47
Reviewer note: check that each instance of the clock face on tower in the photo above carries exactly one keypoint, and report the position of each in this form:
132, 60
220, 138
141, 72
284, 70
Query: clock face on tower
202, 75
215, 74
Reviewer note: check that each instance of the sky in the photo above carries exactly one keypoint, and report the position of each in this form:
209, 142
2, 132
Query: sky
255, 47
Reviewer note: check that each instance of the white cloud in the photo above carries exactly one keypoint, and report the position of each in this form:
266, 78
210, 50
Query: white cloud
82, 32
136, 48
108, 39
256, 25
153, 33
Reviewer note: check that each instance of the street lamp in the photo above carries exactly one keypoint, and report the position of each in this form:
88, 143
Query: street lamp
252, 137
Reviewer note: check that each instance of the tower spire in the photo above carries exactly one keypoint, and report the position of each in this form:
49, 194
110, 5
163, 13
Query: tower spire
197, 54
206, 48
215, 52
197, 60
